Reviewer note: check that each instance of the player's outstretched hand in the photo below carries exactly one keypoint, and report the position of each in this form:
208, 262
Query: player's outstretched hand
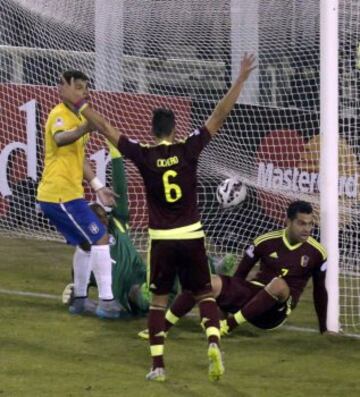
68, 294
247, 66
107, 196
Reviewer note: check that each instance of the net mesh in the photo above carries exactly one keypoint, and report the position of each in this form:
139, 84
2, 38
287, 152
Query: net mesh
141, 54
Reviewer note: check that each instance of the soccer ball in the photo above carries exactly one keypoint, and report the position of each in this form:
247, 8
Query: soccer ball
230, 192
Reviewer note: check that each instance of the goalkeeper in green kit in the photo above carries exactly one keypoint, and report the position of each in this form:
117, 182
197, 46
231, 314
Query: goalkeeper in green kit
129, 270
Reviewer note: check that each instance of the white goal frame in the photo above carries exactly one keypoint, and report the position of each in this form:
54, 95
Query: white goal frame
329, 154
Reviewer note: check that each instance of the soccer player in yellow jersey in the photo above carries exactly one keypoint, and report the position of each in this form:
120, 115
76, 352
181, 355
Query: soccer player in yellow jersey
61, 198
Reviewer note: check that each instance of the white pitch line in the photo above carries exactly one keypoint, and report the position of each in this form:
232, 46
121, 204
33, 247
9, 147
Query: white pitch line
58, 298
32, 294
301, 329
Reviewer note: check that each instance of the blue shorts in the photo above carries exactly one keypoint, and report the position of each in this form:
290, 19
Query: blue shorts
75, 220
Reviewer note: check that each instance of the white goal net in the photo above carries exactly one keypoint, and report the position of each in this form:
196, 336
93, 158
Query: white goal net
141, 54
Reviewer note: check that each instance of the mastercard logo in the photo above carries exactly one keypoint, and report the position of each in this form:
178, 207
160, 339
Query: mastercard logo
288, 169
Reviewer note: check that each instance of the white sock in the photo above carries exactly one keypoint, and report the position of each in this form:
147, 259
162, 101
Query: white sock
101, 265
82, 270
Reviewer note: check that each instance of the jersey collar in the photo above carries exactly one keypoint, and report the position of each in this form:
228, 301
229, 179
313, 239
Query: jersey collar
287, 243
164, 142
77, 114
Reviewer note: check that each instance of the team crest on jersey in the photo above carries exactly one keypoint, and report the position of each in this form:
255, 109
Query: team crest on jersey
304, 261
250, 251
93, 228
323, 267
59, 122
195, 132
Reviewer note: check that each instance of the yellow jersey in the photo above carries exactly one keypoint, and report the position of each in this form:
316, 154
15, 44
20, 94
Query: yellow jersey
63, 172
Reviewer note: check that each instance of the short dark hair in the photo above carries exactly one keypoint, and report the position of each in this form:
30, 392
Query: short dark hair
299, 206
76, 74
163, 122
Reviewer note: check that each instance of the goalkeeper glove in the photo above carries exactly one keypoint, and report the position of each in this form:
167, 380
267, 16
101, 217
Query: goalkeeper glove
68, 294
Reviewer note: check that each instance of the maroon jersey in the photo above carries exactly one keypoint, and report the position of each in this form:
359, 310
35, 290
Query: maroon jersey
169, 172
294, 263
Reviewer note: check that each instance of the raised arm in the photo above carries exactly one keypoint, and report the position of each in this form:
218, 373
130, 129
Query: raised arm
119, 184
71, 94
89, 175
110, 132
226, 104
63, 138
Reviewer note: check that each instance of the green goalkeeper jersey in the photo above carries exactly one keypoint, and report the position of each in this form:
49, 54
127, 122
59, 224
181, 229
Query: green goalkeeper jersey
128, 266
129, 269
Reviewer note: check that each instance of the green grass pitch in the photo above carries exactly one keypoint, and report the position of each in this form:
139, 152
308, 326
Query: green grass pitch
46, 352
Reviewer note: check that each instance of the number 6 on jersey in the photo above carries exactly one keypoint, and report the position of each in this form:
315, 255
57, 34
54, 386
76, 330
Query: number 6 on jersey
172, 191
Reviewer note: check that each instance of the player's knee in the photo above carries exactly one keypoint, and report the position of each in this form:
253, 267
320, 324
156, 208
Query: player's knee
216, 285
278, 288
204, 295
159, 301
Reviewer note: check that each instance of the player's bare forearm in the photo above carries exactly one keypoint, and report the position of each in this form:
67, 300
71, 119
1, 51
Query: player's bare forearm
106, 196
67, 137
226, 104
104, 127
222, 109
89, 174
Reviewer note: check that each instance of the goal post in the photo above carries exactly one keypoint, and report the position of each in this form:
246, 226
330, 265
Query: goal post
329, 153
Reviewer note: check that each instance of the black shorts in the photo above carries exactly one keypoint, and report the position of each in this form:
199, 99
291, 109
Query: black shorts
236, 292
186, 259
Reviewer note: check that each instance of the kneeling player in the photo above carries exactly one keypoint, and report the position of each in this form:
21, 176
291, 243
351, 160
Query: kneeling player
128, 270
288, 258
